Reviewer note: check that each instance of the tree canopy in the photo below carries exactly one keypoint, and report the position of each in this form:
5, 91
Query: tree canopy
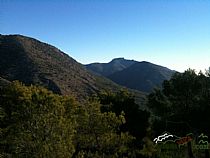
34, 122
182, 106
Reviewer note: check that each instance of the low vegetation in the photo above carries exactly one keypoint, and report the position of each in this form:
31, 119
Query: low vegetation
35, 122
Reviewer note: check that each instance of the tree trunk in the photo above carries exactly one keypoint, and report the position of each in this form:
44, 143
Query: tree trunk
206, 153
189, 148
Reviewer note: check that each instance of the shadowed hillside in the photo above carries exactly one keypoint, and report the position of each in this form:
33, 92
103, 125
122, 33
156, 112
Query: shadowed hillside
3, 82
142, 76
33, 62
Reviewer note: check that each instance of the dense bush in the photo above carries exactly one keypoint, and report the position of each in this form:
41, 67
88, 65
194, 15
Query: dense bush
37, 123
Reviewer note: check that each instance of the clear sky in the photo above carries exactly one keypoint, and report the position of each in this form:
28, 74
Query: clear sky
172, 33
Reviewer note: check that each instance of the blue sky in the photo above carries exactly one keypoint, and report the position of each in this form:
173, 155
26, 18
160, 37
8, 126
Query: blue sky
172, 33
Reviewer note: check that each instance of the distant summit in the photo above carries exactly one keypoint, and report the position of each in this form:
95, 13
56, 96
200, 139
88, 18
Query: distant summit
118, 59
143, 76
106, 69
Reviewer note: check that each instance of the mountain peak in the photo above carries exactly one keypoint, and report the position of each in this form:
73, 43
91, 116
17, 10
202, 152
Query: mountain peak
145, 62
106, 69
118, 59
121, 59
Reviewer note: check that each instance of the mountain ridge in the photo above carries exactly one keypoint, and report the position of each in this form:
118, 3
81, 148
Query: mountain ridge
34, 62
143, 76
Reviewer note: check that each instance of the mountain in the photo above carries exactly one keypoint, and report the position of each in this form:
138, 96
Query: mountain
106, 69
143, 76
33, 62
